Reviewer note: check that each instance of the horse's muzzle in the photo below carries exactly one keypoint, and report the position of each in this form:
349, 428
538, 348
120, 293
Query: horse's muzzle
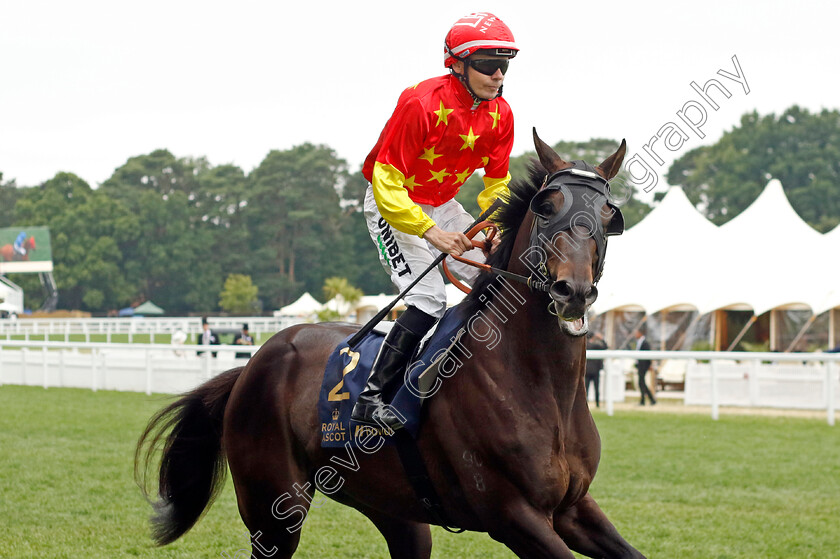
572, 299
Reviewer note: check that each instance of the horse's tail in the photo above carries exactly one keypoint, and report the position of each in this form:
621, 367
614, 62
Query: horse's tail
188, 433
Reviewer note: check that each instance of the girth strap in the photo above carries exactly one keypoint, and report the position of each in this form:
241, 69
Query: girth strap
418, 477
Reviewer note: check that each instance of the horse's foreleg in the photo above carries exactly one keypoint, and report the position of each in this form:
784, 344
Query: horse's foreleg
528, 533
587, 530
406, 540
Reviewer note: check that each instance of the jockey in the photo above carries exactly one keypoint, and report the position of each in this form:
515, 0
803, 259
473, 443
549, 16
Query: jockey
442, 130
18, 246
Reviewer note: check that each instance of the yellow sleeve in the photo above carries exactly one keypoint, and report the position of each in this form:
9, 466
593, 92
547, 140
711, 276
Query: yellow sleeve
394, 204
492, 189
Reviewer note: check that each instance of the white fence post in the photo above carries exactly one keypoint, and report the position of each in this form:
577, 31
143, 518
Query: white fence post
149, 372
46, 369
714, 390
829, 382
61, 371
206, 365
95, 372
608, 397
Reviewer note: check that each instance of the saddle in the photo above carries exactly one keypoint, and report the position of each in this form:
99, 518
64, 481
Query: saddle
438, 357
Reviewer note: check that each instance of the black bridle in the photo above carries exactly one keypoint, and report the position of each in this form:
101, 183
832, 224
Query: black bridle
585, 194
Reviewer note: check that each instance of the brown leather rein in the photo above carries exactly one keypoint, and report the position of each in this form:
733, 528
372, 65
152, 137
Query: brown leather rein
530, 281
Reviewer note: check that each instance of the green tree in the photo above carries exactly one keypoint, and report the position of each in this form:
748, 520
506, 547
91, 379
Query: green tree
345, 296
797, 147
9, 195
293, 215
225, 191
159, 171
86, 229
340, 286
239, 295
173, 258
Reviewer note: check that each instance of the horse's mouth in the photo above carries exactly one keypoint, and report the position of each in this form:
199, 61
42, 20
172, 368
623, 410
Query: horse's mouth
575, 327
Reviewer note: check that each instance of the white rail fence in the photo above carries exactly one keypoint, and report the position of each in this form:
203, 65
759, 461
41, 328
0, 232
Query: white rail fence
748, 379
128, 367
64, 328
779, 380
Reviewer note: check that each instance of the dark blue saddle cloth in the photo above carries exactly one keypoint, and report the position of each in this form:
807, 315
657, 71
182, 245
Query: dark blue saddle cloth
348, 370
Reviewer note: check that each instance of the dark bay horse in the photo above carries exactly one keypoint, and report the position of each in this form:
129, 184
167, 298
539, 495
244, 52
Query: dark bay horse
509, 441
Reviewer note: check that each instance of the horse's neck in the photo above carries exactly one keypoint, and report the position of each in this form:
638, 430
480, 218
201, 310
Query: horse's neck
519, 341
531, 336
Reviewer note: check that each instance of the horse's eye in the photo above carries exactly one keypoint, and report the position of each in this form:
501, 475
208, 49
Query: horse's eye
545, 209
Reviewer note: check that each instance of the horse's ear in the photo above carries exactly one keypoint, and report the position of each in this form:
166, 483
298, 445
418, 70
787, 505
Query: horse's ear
612, 164
548, 157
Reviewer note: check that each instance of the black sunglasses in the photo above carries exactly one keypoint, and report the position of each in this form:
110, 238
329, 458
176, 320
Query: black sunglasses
488, 66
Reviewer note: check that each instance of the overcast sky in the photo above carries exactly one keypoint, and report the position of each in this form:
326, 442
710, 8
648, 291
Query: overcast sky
88, 84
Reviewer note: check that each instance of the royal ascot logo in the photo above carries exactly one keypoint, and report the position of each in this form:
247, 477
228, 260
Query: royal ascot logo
335, 430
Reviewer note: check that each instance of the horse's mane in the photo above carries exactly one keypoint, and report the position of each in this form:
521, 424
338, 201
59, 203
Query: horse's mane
508, 217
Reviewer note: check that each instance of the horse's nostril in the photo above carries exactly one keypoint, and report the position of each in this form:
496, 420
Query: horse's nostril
567, 291
561, 290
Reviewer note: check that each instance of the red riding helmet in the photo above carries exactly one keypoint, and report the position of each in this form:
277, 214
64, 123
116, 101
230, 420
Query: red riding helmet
478, 31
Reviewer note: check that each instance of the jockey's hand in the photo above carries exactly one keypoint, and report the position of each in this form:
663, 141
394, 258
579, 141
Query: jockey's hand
450, 242
494, 243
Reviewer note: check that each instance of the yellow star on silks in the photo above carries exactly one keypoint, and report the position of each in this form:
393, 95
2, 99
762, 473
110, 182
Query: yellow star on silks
430, 155
485, 161
496, 116
442, 114
410, 183
463, 176
469, 139
440, 175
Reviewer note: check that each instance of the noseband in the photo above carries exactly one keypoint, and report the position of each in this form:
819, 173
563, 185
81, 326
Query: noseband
585, 193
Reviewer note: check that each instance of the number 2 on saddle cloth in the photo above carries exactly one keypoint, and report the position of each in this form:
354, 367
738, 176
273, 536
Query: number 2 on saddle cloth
483, 245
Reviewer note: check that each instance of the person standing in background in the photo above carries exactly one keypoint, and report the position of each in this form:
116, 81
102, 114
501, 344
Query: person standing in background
207, 336
243, 338
642, 366
594, 366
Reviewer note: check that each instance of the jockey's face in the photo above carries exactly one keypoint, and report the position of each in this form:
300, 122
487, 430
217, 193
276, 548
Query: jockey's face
486, 87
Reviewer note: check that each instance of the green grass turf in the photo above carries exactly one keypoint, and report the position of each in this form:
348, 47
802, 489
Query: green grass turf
675, 485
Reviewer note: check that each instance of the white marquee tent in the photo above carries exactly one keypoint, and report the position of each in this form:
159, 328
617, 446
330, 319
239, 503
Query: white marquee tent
306, 305
658, 263
766, 258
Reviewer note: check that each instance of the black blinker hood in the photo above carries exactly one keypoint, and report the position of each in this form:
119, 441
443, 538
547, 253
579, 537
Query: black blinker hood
585, 193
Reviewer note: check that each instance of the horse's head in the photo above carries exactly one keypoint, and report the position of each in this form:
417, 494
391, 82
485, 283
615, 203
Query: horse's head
30, 243
554, 235
571, 218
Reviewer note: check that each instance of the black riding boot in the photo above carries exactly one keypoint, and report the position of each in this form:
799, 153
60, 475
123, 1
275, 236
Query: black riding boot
388, 369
